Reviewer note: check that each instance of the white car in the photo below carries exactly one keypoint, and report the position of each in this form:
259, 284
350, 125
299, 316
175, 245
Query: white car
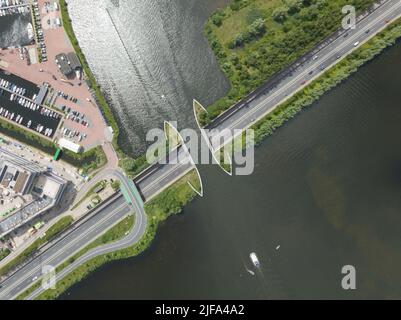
356, 43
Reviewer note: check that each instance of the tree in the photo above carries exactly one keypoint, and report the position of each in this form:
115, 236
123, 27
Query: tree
217, 18
280, 14
294, 6
239, 40
257, 28
116, 185
235, 5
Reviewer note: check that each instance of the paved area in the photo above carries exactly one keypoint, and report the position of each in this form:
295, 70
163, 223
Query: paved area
57, 42
108, 214
158, 176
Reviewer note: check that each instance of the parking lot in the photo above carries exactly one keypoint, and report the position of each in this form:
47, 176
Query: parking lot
89, 128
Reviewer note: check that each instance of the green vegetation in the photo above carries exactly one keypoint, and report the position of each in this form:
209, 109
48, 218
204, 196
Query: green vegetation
255, 39
116, 184
330, 79
169, 202
100, 184
55, 230
172, 200
4, 253
133, 166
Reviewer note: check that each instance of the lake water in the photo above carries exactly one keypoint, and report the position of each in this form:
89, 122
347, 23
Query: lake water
151, 59
326, 188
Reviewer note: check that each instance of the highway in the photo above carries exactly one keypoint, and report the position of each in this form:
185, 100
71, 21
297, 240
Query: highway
107, 215
157, 177
132, 238
253, 108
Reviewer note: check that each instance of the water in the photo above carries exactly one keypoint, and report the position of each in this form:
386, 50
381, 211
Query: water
13, 30
151, 59
326, 189
34, 117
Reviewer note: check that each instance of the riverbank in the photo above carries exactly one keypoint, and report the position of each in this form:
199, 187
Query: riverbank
170, 202
130, 165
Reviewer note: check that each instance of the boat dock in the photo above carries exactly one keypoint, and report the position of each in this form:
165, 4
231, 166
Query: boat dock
8, 7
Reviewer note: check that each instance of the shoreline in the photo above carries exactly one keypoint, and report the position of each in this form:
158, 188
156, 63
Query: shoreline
264, 127
132, 166
351, 63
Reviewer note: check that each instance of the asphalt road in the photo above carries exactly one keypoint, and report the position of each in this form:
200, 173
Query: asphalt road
107, 216
157, 177
132, 238
261, 102
252, 109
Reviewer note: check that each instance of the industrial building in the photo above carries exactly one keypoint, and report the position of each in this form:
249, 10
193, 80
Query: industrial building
27, 190
63, 65
69, 145
68, 64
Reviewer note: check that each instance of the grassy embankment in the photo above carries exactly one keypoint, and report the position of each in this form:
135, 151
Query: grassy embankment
90, 193
130, 165
56, 229
171, 201
4, 253
255, 39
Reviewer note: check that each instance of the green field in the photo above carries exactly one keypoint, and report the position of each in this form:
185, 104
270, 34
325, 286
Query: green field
255, 39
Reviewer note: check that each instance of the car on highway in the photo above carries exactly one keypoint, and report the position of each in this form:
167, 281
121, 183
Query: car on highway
310, 72
346, 35
356, 43
315, 57
303, 82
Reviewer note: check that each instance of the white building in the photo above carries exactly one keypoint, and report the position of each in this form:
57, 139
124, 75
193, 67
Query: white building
69, 145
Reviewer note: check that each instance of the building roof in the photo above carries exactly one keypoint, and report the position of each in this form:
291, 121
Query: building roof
42, 94
16, 173
63, 65
69, 145
22, 176
74, 61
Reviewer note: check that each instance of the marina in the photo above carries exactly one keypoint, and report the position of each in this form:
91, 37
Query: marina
21, 104
10, 7
15, 29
